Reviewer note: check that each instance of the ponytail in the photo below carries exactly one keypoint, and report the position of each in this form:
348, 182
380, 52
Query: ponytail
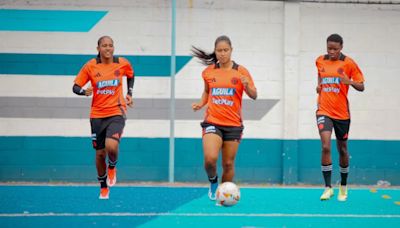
205, 58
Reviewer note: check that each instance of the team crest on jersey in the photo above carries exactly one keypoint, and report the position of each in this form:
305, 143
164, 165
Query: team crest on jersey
234, 81
117, 73
340, 71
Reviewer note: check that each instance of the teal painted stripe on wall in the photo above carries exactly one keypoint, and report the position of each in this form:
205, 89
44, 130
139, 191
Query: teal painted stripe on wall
49, 20
257, 161
146, 159
370, 161
62, 64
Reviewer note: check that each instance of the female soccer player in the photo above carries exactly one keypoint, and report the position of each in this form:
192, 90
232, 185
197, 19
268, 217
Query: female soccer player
336, 72
108, 111
224, 83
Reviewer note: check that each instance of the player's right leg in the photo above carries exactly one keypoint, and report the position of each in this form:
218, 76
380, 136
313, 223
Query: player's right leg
212, 143
112, 151
98, 141
326, 165
325, 126
102, 174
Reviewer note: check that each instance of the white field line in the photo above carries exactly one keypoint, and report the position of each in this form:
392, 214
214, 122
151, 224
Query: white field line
153, 214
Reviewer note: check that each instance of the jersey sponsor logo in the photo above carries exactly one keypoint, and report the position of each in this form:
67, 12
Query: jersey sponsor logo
222, 91
210, 129
330, 80
102, 84
105, 92
331, 90
222, 102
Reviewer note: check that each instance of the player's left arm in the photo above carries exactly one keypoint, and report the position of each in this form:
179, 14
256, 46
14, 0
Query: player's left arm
248, 84
80, 80
359, 86
130, 81
357, 78
249, 87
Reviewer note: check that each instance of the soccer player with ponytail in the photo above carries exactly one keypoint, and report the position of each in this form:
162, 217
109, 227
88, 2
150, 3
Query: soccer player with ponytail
224, 84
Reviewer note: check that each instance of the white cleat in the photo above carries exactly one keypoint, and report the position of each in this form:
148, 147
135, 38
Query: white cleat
328, 193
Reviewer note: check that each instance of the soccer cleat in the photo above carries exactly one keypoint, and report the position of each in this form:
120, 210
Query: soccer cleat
342, 196
104, 193
112, 177
328, 193
212, 191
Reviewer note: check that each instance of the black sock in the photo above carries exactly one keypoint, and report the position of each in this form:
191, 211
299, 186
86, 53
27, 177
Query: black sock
213, 179
112, 164
327, 173
103, 181
344, 172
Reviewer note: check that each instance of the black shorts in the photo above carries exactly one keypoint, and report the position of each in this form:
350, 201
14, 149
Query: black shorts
342, 127
226, 133
109, 127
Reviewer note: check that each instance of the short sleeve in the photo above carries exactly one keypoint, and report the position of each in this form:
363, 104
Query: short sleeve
206, 72
355, 72
83, 76
318, 65
243, 71
127, 66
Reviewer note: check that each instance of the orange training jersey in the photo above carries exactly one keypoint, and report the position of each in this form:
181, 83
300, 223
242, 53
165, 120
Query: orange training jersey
106, 79
332, 100
225, 94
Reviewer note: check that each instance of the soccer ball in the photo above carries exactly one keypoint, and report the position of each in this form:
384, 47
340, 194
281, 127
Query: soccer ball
228, 194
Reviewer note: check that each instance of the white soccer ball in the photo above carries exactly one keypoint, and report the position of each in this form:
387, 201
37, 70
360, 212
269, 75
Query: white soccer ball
228, 194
